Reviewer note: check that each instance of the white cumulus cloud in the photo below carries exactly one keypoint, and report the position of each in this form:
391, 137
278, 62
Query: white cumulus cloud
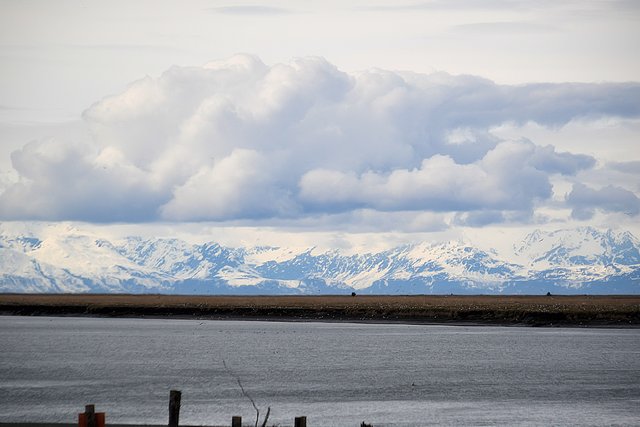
239, 140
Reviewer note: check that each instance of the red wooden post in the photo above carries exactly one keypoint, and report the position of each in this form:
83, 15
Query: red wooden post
91, 418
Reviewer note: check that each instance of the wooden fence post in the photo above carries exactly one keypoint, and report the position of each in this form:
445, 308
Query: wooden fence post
90, 413
91, 418
300, 422
174, 408
236, 421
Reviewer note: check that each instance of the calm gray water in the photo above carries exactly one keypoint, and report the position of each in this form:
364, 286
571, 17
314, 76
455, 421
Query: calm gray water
337, 374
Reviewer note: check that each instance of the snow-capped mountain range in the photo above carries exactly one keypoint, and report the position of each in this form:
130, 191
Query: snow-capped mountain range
582, 260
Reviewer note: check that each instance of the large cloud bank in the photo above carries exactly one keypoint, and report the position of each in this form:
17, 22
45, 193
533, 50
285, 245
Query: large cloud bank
239, 140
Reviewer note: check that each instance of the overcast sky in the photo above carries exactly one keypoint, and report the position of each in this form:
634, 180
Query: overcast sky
345, 116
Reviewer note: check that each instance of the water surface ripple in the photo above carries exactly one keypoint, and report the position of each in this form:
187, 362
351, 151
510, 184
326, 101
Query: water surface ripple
334, 373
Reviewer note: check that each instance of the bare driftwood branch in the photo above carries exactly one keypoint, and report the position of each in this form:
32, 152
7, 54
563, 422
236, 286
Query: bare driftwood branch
266, 417
245, 394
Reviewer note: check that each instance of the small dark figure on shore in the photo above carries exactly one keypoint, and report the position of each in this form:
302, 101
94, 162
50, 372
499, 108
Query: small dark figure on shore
548, 294
353, 294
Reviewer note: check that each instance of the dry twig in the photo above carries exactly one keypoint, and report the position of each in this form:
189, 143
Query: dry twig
245, 394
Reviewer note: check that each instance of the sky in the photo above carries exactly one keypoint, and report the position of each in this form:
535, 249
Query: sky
377, 120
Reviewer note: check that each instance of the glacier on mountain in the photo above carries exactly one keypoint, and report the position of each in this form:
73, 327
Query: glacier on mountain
582, 260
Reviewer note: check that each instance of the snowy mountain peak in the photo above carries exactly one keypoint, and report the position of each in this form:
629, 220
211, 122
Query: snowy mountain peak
581, 246
63, 259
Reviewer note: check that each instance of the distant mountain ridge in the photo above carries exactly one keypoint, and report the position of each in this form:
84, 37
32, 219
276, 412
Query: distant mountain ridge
582, 260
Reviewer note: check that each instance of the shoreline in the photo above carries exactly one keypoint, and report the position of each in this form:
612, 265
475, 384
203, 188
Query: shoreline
533, 311
280, 319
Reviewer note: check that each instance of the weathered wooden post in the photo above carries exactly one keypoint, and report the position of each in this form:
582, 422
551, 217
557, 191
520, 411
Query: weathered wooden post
91, 418
300, 422
236, 421
174, 407
90, 414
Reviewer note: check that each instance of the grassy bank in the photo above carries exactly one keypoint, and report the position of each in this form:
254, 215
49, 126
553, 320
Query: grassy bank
514, 310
